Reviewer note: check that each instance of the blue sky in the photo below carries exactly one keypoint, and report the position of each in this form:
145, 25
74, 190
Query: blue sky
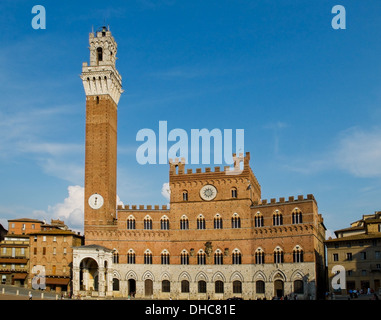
307, 96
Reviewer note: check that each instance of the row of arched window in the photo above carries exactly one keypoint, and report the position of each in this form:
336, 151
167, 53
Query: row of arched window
235, 220
201, 286
218, 257
219, 286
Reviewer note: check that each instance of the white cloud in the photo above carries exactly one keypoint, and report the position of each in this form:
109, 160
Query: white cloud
25, 136
356, 151
359, 152
71, 210
165, 191
54, 149
119, 202
65, 170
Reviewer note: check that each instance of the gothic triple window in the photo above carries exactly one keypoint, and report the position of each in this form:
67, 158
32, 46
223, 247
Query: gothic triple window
297, 216
259, 256
200, 222
147, 223
184, 223
297, 254
147, 257
131, 257
218, 257
131, 223
236, 257
201, 257
258, 220
164, 223
184, 257
278, 255
277, 218
164, 257
217, 221
236, 221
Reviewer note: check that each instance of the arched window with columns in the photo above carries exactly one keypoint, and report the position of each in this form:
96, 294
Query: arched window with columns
131, 225
131, 256
147, 257
218, 257
184, 222
297, 216
258, 220
147, 223
278, 255
259, 256
217, 221
297, 254
200, 222
236, 257
277, 218
164, 223
164, 257
201, 257
184, 257
236, 221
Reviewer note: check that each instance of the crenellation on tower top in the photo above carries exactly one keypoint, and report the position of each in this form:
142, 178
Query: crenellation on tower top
101, 77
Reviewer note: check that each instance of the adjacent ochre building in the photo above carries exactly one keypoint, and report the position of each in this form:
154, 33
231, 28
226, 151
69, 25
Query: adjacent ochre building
216, 239
32, 246
14, 251
358, 250
52, 249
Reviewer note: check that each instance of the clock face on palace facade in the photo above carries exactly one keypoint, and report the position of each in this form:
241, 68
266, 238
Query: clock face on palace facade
208, 192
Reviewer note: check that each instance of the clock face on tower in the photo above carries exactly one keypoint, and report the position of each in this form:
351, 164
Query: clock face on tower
208, 192
96, 201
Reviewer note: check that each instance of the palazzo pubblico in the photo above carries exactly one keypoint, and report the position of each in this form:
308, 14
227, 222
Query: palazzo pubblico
217, 238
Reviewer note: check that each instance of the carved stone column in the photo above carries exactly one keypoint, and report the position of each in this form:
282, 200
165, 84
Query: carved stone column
101, 281
76, 280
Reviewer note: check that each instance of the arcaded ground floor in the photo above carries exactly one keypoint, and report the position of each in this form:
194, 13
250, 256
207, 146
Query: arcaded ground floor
198, 282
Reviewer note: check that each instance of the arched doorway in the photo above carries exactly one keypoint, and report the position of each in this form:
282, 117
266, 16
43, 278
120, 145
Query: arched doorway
115, 284
88, 275
148, 287
279, 288
131, 287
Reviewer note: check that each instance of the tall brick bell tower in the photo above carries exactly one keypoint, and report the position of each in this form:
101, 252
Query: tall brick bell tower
103, 87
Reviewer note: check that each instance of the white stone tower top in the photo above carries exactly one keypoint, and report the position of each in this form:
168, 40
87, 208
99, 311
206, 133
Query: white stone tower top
101, 76
103, 48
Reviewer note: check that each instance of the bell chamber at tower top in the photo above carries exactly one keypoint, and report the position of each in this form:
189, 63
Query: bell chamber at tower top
101, 76
103, 48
